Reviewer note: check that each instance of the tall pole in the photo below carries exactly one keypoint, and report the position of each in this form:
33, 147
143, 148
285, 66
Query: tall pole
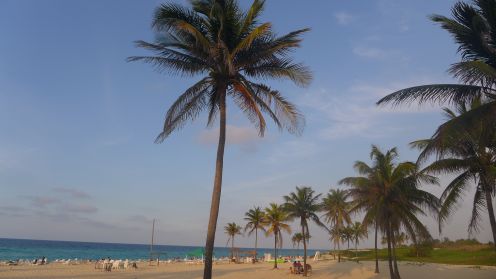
151, 244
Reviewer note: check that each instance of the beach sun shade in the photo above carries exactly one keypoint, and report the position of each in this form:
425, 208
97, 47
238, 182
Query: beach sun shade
198, 253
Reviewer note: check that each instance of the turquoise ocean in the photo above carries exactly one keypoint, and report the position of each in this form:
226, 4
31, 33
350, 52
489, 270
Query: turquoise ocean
27, 249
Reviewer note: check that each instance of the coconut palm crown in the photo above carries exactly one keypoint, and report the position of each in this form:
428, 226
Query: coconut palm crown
254, 218
276, 222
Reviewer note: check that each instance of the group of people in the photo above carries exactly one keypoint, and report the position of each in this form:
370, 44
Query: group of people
41, 261
298, 268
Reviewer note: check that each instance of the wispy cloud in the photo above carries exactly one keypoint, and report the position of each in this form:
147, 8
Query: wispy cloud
356, 114
74, 193
343, 18
78, 208
41, 201
370, 52
245, 137
139, 219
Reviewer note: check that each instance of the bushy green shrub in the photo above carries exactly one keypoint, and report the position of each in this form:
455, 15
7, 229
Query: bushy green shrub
421, 249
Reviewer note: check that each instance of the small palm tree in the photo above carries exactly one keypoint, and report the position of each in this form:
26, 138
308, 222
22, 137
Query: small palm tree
230, 49
275, 223
303, 205
232, 229
347, 235
336, 212
364, 191
296, 239
254, 218
358, 231
390, 196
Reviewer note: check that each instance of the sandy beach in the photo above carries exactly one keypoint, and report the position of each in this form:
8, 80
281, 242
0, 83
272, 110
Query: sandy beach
324, 269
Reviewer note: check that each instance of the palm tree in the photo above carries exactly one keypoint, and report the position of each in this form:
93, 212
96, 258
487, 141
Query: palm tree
296, 239
347, 235
470, 154
275, 221
358, 231
336, 212
232, 229
400, 200
254, 218
303, 205
228, 47
364, 191
473, 28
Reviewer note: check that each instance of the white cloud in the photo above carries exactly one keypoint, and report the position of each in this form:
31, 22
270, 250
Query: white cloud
245, 137
343, 18
370, 52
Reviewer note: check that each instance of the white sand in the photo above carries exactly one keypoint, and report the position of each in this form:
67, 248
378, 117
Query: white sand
324, 269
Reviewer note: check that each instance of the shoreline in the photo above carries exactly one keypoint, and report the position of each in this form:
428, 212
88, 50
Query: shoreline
320, 270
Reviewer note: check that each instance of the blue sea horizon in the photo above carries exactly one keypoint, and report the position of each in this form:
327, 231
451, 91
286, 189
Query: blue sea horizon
13, 249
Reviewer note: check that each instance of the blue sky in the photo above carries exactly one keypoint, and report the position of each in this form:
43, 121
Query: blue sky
77, 158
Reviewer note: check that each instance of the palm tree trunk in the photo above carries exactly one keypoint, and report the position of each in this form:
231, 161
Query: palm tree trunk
256, 242
396, 270
390, 260
376, 258
275, 250
339, 252
356, 249
304, 250
216, 193
232, 247
492, 219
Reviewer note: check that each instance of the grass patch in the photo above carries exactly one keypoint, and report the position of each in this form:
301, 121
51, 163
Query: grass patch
479, 255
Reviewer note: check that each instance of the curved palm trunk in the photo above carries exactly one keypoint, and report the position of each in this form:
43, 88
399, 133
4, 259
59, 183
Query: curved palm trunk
216, 193
275, 250
492, 219
396, 270
375, 247
304, 250
390, 260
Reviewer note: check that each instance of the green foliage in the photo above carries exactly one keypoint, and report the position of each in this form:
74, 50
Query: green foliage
231, 50
421, 249
483, 256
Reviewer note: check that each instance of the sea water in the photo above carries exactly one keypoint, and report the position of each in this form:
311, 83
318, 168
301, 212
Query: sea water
13, 249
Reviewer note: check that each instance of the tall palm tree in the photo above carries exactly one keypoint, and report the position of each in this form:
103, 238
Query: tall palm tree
275, 221
336, 212
364, 191
473, 28
470, 153
254, 218
358, 231
232, 229
230, 49
303, 205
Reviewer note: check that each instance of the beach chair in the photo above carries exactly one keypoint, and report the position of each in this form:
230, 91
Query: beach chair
115, 264
121, 265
